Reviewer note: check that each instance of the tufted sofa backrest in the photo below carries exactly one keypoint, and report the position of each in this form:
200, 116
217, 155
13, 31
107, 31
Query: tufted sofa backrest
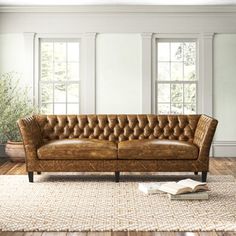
118, 127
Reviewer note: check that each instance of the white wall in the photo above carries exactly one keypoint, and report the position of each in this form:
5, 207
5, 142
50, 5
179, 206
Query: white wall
225, 93
118, 73
11, 53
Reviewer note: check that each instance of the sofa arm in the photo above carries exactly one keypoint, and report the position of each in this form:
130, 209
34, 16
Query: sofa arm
204, 134
31, 136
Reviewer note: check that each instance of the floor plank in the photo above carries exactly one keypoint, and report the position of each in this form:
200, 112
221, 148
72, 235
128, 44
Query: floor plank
207, 234
227, 234
168, 233
76, 234
54, 233
119, 233
33, 233
11, 233
134, 233
186, 234
99, 233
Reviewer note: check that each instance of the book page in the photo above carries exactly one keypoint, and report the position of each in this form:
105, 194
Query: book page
193, 184
174, 188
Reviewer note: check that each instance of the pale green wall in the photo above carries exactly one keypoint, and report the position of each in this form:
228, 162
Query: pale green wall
225, 86
11, 53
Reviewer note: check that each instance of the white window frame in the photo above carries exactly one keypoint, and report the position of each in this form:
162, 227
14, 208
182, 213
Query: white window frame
170, 82
175, 38
37, 81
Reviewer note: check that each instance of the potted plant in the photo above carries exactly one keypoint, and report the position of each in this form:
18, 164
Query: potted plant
14, 103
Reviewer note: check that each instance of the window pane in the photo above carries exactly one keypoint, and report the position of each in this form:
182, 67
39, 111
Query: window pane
46, 71
60, 51
73, 71
190, 53
190, 109
46, 93
177, 93
163, 52
190, 93
60, 71
176, 51
177, 108
73, 93
46, 61
46, 108
176, 71
72, 108
163, 108
190, 72
73, 51
47, 51
163, 93
59, 93
163, 71
60, 109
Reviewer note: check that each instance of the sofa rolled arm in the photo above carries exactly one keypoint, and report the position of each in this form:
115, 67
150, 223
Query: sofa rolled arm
204, 135
31, 135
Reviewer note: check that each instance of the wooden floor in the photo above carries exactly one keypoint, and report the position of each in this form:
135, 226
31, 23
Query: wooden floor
218, 166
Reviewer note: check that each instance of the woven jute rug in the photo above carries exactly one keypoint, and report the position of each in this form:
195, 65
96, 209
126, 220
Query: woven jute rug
97, 203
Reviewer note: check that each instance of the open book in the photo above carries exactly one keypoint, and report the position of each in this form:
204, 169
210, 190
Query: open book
183, 186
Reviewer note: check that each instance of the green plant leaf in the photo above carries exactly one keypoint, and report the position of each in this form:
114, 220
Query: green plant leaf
14, 104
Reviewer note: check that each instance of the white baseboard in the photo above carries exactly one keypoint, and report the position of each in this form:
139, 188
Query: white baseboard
2, 150
224, 149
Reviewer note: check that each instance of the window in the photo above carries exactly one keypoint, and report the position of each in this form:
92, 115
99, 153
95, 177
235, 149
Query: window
176, 82
59, 81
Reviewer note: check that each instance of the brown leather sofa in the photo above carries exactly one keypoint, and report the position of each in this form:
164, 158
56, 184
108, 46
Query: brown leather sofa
114, 143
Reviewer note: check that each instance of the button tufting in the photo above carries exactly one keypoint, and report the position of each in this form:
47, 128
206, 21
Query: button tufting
119, 127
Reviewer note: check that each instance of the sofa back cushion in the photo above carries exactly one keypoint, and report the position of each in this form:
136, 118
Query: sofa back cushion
118, 127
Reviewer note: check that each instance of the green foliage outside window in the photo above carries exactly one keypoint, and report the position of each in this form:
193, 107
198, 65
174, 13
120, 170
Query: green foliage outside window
14, 104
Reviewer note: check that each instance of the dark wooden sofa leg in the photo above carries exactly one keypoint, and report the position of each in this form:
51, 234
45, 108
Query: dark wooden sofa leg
117, 176
204, 176
31, 177
196, 173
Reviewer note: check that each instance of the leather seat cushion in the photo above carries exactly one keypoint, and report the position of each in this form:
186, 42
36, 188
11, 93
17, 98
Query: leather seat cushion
156, 149
83, 149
